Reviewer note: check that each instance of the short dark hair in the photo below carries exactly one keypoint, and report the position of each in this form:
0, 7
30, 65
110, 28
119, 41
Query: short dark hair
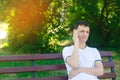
81, 22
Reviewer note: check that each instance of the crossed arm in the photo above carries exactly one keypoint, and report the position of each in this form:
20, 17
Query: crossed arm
96, 71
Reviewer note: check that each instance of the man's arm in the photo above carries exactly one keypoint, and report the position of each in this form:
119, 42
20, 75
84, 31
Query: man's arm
96, 71
73, 60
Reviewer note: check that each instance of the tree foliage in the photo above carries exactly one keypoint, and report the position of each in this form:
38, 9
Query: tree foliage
103, 18
46, 25
28, 19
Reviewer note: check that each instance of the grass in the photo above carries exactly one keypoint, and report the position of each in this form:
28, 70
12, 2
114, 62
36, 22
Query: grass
116, 60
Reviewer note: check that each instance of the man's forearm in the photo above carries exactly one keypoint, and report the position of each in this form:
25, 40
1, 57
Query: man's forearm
91, 71
96, 71
73, 60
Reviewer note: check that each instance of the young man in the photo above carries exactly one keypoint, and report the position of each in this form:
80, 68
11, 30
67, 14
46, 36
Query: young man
82, 62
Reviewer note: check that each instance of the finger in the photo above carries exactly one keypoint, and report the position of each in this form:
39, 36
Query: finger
75, 31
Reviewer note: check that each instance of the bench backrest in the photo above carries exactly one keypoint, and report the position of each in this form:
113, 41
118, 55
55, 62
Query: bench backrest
108, 64
50, 67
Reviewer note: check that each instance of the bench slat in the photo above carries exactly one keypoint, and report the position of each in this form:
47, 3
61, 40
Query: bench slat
48, 78
107, 75
106, 53
108, 64
40, 57
32, 69
30, 57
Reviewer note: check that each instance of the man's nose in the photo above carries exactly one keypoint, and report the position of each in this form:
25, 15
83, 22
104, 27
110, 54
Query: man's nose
85, 33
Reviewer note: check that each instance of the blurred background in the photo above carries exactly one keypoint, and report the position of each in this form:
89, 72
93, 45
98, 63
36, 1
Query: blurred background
45, 26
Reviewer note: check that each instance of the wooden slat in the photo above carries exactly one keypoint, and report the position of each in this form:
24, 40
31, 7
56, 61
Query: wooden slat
47, 78
32, 69
108, 64
30, 57
107, 76
105, 53
41, 56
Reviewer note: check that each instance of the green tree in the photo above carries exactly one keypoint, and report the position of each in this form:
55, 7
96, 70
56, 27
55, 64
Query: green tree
28, 18
36, 25
103, 18
44, 25
4, 9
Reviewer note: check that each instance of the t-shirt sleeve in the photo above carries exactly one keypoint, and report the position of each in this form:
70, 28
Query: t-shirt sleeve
97, 56
66, 53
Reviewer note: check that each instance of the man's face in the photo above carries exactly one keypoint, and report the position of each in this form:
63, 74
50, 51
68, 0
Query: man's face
83, 33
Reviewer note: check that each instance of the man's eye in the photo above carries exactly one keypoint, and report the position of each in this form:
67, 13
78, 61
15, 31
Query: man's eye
87, 31
82, 31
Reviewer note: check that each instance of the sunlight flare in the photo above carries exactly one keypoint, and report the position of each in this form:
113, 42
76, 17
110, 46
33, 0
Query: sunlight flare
3, 30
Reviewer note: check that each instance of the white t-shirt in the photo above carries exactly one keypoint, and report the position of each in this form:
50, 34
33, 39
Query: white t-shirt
88, 56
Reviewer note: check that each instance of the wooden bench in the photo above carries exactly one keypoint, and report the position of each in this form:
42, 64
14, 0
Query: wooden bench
50, 67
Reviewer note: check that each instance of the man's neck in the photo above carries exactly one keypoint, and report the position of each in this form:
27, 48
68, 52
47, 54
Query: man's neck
82, 45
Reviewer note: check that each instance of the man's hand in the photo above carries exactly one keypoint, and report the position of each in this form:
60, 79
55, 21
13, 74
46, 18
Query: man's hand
75, 37
73, 73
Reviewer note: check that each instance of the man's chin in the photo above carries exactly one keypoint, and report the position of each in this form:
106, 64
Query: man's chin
83, 41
